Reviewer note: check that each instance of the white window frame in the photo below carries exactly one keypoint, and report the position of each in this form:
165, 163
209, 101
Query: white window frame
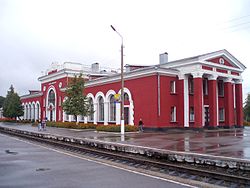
221, 88
112, 111
91, 116
100, 114
221, 114
205, 88
173, 114
172, 87
191, 116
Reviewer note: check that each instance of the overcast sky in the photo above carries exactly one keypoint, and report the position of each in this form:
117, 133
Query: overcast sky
35, 33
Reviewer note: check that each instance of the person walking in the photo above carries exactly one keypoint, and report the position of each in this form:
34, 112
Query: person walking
39, 125
141, 125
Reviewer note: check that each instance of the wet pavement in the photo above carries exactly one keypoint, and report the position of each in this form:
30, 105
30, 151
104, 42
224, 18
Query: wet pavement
26, 165
233, 143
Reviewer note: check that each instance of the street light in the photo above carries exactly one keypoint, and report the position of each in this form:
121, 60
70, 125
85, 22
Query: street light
122, 84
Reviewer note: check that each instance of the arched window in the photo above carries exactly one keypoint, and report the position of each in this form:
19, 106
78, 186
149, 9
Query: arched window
91, 116
112, 108
38, 111
51, 98
100, 109
126, 97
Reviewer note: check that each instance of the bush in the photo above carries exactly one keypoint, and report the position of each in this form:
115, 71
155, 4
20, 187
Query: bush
71, 125
116, 128
246, 123
14, 121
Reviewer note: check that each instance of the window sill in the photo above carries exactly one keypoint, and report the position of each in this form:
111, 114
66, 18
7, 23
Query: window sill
221, 96
173, 121
173, 93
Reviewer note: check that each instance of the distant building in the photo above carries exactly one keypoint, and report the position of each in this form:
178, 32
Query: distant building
204, 90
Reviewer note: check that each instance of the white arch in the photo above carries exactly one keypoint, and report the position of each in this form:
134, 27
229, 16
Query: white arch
98, 95
38, 111
109, 93
131, 106
33, 110
86, 119
54, 106
29, 110
96, 110
90, 95
26, 111
117, 110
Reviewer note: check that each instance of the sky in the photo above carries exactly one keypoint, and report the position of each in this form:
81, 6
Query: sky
35, 33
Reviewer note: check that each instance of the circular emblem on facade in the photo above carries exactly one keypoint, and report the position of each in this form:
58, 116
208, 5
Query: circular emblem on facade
221, 60
60, 84
44, 88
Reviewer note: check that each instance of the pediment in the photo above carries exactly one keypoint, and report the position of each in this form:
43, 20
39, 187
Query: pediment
223, 58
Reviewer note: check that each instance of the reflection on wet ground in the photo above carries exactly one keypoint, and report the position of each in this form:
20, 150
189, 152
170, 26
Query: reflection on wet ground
230, 143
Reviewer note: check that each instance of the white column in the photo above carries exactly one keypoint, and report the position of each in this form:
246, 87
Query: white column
78, 118
186, 102
36, 113
106, 113
70, 118
24, 112
85, 119
131, 113
95, 113
63, 116
118, 113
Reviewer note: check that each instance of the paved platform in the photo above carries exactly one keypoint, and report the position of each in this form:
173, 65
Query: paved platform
231, 145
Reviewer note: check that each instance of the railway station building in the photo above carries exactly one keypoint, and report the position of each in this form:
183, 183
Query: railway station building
195, 92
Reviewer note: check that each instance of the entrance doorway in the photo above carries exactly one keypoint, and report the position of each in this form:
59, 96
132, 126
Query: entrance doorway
51, 115
126, 115
206, 116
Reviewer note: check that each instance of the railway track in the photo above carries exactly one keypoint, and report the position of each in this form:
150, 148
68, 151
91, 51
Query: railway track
198, 175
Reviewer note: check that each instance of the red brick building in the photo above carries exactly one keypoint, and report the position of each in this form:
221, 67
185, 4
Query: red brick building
204, 90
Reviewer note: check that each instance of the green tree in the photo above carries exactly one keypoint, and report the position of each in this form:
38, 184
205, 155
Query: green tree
76, 102
12, 106
247, 108
1, 101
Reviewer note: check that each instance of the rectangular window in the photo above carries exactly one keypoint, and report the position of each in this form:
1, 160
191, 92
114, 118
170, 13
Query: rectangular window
172, 87
205, 87
191, 86
173, 114
191, 114
221, 88
221, 114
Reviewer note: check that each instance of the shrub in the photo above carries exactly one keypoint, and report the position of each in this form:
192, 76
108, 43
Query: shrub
71, 125
246, 123
116, 128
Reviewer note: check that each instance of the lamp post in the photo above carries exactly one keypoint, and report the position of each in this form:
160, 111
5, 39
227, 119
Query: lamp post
122, 84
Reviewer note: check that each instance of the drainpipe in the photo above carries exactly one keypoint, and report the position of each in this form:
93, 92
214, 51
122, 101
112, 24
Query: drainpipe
158, 94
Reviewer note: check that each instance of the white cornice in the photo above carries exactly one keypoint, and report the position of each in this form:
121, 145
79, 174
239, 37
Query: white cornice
203, 59
39, 94
66, 73
133, 75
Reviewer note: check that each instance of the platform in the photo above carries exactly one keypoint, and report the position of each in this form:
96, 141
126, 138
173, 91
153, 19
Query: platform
219, 146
